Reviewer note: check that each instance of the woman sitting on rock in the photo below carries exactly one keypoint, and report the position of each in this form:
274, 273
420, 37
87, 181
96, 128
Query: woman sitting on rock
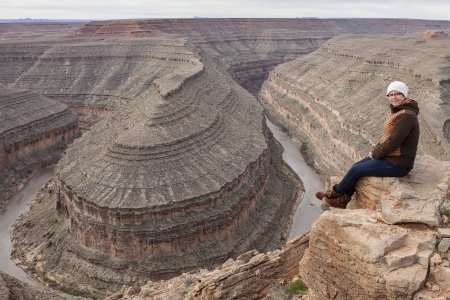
393, 156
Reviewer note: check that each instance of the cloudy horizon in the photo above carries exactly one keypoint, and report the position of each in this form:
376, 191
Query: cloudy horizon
137, 9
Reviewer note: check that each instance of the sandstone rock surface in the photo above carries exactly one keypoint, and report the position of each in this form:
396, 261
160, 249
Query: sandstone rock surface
353, 255
384, 245
416, 198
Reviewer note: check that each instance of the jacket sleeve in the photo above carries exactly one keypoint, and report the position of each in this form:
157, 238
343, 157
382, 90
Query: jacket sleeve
402, 128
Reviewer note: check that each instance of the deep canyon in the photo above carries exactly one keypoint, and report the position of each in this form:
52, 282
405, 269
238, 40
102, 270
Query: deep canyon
164, 162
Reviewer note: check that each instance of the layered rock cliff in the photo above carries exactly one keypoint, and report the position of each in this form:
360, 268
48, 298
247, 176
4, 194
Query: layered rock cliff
180, 177
334, 99
11, 288
391, 243
250, 48
181, 167
34, 130
95, 77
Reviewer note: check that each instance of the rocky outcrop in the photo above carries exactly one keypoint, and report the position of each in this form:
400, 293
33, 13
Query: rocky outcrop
353, 255
251, 275
11, 288
333, 99
34, 131
368, 253
416, 198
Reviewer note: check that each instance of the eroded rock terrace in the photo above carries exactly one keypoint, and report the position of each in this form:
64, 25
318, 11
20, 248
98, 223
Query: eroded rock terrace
179, 177
33, 132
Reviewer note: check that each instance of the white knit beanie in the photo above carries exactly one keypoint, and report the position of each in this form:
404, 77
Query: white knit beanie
399, 87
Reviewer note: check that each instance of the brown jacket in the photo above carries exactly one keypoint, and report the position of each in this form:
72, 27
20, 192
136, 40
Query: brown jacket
401, 136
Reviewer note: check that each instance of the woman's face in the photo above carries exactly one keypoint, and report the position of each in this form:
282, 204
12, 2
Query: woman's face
396, 98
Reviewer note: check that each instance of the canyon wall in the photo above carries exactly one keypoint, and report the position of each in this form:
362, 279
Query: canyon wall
93, 77
334, 100
34, 131
179, 163
250, 48
180, 177
11, 288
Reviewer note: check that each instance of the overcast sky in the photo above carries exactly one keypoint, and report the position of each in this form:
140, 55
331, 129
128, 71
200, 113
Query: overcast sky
129, 9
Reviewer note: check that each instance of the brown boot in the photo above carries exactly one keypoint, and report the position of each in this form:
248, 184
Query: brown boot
329, 194
339, 202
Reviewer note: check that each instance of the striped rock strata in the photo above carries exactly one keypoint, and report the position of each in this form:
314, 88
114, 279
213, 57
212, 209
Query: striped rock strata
95, 77
11, 288
40, 30
180, 177
251, 275
334, 98
33, 132
250, 48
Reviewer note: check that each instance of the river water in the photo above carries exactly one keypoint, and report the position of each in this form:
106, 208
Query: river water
307, 212
17, 206
310, 207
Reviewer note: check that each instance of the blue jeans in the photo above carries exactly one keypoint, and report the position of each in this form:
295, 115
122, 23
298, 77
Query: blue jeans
368, 167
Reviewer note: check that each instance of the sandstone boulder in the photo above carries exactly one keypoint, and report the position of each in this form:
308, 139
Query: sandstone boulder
415, 198
352, 254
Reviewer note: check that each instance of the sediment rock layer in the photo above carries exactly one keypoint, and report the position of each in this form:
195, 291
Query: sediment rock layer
33, 132
95, 77
250, 48
394, 247
40, 30
11, 288
251, 275
334, 99
181, 177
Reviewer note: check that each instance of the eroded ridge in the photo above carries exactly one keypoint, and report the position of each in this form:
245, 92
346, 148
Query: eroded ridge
165, 184
95, 77
173, 162
33, 132
250, 48
334, 98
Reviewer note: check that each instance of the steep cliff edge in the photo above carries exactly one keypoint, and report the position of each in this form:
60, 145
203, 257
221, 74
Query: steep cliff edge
333, 100
390, 243
357, 253
34, 131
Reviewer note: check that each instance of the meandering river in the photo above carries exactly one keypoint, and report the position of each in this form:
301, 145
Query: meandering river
17, 206
307, 212
310, 208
